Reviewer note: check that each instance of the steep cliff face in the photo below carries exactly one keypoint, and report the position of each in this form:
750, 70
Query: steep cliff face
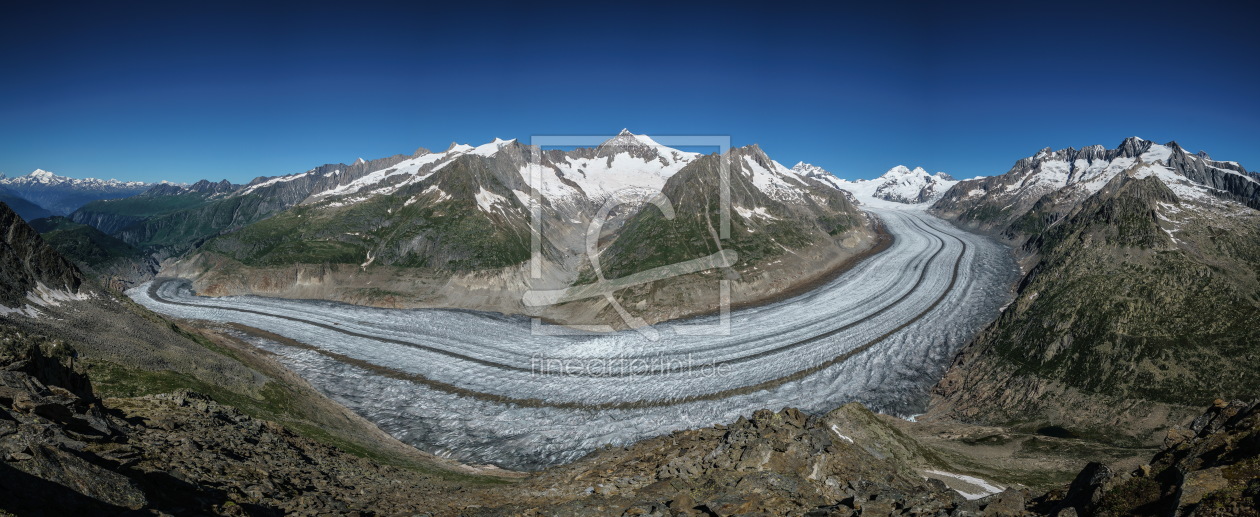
1135, 307
27, 263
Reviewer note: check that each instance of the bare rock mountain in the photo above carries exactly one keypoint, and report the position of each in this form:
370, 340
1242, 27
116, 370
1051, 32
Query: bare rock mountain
31, 272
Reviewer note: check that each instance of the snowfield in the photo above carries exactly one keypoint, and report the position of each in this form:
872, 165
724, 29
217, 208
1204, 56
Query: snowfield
482, 388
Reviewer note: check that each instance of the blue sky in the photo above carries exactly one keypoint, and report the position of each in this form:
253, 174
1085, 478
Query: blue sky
184, 91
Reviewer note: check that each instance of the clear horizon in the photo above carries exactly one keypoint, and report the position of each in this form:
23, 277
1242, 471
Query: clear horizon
237, 91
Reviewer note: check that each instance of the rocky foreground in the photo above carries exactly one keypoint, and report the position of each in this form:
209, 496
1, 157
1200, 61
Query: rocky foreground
64, 450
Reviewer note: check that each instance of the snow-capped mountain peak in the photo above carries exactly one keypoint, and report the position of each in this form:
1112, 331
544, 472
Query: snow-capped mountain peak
43, 177
572, 177
810, 170
625, 141
900, 184
491, 148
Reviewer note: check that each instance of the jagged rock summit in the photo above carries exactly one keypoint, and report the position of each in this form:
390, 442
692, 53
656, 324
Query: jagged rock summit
1070, 175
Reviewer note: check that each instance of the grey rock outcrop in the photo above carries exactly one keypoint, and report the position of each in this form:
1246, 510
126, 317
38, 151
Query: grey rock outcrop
26, 261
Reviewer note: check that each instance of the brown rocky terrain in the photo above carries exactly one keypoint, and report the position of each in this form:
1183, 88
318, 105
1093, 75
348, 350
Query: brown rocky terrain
64, 449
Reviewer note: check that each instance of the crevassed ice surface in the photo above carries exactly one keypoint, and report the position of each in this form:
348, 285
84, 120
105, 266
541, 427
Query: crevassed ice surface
483, 388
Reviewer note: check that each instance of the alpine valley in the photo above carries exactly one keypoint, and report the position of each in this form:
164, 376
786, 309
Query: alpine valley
636, 329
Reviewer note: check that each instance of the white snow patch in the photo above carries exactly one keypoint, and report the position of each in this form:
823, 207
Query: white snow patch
756, 212
23, 310
491, 148
842, 437
44, 296
441, 194
273, 181
1157, 153
486, 200
987, 488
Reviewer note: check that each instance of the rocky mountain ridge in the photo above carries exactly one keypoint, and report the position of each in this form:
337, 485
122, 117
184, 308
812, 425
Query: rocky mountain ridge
31, 271
1050, 183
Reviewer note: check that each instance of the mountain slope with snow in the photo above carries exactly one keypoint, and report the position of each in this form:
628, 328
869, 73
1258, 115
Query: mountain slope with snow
464, 215
496, 183
1139, 295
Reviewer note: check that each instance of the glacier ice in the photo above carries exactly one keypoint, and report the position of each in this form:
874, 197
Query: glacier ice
482, 388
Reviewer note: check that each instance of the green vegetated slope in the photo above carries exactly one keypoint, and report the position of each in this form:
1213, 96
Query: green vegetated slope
83, 244
1136, 296
186, 228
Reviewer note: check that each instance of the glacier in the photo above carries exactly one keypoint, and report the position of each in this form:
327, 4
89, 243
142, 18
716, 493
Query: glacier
483, 388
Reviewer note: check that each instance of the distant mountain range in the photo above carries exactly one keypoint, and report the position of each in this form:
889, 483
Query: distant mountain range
46, 193
900, 184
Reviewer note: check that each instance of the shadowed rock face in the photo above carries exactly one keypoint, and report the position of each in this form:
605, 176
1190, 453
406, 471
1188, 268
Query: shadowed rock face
48, 416
63, 452
27, 261
1210, 467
